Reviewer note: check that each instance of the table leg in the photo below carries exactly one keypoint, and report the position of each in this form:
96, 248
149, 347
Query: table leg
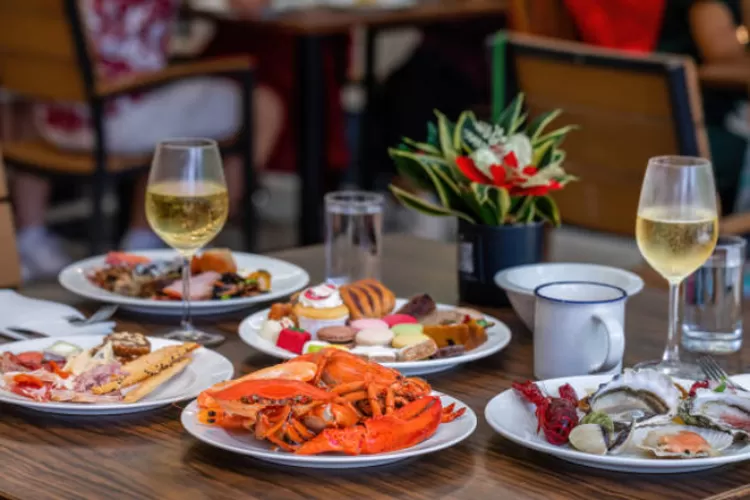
367, 172
311, 138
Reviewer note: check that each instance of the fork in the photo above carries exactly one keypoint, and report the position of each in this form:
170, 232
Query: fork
715, 372
101, 314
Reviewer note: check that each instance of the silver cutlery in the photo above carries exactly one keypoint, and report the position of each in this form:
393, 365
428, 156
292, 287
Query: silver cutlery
715, 372
101, 314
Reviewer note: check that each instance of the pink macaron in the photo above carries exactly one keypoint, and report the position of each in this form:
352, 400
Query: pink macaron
369, 324
399, 319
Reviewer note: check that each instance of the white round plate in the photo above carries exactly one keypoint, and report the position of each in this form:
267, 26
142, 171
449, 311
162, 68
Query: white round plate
498, 336
286, 279
447, 435
514, 419
208, 368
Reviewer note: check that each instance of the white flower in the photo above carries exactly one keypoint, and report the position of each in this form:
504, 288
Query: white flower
520, 145
484, 158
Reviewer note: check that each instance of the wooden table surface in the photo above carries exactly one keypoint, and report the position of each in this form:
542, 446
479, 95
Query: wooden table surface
320, 21
149, 455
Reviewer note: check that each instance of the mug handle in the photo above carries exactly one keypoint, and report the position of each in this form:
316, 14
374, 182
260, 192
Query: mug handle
615, 343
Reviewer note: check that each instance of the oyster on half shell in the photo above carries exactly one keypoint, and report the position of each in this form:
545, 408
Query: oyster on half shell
598, 440
727, 411
636, 396
682, 441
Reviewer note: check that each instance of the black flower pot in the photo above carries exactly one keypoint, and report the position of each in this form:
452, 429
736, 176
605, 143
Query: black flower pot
485, 250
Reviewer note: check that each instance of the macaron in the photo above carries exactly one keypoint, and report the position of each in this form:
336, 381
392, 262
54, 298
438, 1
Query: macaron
407, 329
368, 323
377, 354
401, 341
374, 337
337, 334
399, 319
312, 346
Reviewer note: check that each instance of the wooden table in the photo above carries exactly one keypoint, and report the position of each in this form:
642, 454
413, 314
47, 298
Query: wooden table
311, 28
150, 456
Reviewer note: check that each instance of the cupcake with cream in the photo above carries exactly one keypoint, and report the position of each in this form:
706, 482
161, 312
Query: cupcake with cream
320, 306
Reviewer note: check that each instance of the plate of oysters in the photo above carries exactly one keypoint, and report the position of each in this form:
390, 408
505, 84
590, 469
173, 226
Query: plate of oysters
415, 336
639, 421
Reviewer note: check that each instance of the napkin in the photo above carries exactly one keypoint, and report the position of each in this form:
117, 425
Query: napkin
43, 317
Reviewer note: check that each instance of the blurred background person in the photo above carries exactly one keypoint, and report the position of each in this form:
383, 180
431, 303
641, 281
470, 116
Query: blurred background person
129, 37
706, 30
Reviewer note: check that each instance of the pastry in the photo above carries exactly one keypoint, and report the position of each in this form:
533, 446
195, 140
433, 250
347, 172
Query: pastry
470, 335
399, 319
363, 324
337, 334
281, 310
422, 349
272, 328
375, 353
445, 317
449, 352
368, 299
402, 341
374, 336
320, 306
407, 329
477, 334
293, 339
127, 346
419, 306
471, 313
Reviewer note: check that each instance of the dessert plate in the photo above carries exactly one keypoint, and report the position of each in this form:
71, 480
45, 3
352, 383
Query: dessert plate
447, 435
207, 368
286, 278
498, 336
514, 419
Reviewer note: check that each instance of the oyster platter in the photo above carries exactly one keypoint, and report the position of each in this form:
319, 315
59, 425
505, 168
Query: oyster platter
638, 421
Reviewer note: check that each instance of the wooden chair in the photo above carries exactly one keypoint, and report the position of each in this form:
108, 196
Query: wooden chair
44, 55
629, 109
10, 266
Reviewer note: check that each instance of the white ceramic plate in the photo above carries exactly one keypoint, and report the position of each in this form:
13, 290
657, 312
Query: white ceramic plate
446, 435
208, 368
286, 279
498, 336
514, 419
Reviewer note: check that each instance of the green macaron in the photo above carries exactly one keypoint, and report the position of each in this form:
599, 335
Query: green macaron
407, 329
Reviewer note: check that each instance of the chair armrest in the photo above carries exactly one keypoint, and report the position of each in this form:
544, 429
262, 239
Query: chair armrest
730, 75
735, 224
227, 66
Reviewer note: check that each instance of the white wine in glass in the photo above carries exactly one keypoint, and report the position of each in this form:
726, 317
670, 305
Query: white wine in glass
187, 206
676, 231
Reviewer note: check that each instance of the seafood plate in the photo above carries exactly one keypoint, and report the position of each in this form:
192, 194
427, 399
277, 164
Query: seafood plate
638, 421
328, 407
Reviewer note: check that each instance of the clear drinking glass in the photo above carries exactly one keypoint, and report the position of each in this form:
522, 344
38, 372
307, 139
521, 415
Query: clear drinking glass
712, 300
354, 229
187, 205
676, 231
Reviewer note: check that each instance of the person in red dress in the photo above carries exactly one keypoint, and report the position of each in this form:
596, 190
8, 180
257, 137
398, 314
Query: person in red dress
129, 37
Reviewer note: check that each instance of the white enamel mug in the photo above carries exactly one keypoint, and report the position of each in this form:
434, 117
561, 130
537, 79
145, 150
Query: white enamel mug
578, 329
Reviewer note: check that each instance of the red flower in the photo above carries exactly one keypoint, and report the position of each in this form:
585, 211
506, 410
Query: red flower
511, 160
469, 169
529, 170
498, 175
554, 185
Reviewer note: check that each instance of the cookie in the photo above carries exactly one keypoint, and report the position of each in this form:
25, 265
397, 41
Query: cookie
450, 351
364, 324
399, 319
407, 329
374, 337
423, 349
377, 354
337, 334
401, 341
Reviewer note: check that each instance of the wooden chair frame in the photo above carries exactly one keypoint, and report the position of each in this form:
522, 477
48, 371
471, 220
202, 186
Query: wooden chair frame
99, 93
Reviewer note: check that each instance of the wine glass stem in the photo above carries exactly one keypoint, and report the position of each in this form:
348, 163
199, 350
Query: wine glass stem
187, 321
672, 352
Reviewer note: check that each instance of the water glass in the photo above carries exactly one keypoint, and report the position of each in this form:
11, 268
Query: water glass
712, 314
354, 235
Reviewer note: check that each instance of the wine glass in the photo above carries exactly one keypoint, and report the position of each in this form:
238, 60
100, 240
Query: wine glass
676, 231
187, 205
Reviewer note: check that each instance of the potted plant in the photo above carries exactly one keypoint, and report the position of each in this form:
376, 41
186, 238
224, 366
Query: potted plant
498, 180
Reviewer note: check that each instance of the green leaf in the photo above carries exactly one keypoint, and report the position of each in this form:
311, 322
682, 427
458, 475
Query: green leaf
556, 135
546, 159
530, 214
547, 209
558, 157
407, 166
510, 115
516, 125
521, 213
500, 198
721, 387
445, 133
542, 151
414, 202
538, 124
467, 117
433, 138
483, 212
421, 146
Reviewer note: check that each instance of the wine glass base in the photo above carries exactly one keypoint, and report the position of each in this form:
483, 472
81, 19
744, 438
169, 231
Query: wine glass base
197, 336
676, 369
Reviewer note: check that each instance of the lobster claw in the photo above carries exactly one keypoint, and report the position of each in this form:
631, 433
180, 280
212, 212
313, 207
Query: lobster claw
405, 427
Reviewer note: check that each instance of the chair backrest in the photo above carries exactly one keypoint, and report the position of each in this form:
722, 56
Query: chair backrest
43, 51
10, 267
629, 109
